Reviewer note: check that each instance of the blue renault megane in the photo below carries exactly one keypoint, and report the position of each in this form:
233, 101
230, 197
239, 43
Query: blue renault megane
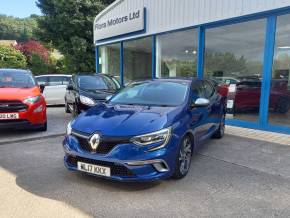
147, 131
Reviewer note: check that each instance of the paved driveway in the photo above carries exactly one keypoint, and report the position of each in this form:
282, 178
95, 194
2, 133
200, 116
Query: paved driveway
232, 177
57, 120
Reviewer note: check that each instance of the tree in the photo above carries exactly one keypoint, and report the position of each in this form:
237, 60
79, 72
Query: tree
11, 58
33, 47
20, 29
68, 24
107, 2
39, 59
38, 66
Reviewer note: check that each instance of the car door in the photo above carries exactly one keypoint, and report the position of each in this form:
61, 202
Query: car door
54, 92
199, 115
212, 110
71, 94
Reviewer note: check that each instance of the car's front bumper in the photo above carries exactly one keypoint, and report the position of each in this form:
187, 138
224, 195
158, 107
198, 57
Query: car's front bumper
127, 162
33, 117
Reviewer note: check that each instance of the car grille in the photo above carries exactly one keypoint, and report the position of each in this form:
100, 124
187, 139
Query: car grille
116, 169
12, 106
106, 144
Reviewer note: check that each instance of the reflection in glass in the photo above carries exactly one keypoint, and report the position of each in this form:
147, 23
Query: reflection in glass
137, 59
177, 54
234, 56
109, 60
279, 108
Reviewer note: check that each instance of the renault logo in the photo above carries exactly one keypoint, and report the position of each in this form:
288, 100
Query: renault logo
95, 141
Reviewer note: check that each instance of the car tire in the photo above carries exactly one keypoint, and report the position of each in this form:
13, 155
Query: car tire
221, 130
43, 128
183, 159
67, 110
283, 105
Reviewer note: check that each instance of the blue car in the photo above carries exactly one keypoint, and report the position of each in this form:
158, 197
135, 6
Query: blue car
148, 131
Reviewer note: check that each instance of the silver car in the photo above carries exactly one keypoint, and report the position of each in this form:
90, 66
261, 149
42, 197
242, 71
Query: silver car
55, 87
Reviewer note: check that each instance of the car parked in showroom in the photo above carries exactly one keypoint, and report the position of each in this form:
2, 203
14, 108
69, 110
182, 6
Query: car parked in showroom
86, 90
147, 131
21, 102
248, 94
55, 87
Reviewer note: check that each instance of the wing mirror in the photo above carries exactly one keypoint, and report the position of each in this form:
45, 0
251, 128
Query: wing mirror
42, 87
201, 102
70, 87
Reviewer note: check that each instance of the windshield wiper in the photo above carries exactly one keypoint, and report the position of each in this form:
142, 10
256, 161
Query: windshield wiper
164, 105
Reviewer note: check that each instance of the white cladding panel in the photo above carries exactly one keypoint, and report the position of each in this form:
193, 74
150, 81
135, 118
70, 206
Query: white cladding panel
166, 15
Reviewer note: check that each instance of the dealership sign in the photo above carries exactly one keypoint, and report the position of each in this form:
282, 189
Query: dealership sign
133, 21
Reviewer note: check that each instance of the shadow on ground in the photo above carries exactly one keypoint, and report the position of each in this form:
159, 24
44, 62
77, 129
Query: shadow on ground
218, 184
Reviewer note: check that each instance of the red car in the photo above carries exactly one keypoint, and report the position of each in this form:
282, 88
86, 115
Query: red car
21, 102
248, 95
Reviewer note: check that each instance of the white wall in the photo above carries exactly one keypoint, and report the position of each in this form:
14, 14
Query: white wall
166, 15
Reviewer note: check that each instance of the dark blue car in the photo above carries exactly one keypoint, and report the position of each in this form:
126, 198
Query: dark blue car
147, 131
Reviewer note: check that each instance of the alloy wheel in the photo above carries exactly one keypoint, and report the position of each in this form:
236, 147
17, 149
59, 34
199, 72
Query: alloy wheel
185, 154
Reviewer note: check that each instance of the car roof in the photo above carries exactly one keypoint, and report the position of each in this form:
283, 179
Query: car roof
54, 75
15, 70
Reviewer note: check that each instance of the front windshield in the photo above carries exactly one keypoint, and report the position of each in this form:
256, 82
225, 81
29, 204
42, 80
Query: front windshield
156, 93
16, 79
96, 83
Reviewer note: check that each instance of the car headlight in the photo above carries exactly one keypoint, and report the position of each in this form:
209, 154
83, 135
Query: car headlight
32, 100
87, 101
161, 136
69, 128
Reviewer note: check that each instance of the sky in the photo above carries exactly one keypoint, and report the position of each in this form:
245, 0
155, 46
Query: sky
19, 8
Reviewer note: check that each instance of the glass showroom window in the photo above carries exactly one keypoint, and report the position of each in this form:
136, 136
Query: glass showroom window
177, 54
138, 60
109, 60
279, 113
234, 56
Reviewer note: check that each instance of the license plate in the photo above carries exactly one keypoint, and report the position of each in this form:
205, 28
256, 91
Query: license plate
10, 116
94, 169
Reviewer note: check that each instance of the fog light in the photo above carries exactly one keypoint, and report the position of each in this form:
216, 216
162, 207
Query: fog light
38, 109
160, 165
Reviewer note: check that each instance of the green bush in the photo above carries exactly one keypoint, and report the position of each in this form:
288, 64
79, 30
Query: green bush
38, 66
11, 58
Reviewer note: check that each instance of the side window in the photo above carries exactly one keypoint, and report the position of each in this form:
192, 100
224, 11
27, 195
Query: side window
65, 80
54, 81
110, 83
58, 80
208, 89
42, 80
197, 91
70, 82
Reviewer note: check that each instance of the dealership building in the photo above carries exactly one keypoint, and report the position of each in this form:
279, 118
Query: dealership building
241, 43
